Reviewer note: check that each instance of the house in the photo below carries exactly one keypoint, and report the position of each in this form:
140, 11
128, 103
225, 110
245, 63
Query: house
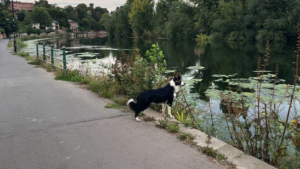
36, 25
54, 26
74, 26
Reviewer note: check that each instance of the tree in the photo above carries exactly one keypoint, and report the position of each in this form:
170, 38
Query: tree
141, 16
27, 20
85, 24
21, 15
59, 15
161, 16
98, 12
180, 25
121, 21
42, 3
108, 22
41, 15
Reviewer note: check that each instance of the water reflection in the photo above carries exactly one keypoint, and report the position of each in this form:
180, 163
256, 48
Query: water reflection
217, 58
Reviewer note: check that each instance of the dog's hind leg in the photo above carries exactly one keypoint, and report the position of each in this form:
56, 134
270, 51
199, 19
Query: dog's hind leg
169, 112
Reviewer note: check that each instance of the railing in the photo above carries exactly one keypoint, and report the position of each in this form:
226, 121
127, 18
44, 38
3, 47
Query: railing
53, 54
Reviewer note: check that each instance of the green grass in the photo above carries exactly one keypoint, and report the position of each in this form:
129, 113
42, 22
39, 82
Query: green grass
112, 106
173, 127
186, 137
148, 119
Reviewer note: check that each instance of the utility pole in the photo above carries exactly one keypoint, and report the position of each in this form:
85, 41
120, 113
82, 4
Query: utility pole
14, 27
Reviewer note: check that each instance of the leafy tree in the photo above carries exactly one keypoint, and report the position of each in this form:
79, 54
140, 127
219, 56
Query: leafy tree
161, 16
85, 24
123, 28
42, 3
108, 21
59, 15
69, 9
96, 25
41, 15
21, 15
81, 13
141, 16
98, 12
180, 25
27, 20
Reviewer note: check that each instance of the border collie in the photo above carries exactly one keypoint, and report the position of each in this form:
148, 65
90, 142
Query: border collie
163, 95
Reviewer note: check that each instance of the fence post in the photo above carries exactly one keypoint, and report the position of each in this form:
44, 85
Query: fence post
44, 53
37, 51
52, 60
64, 60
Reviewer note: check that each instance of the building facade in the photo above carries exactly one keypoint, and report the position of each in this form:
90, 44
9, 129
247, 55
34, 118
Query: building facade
18, 6
74, 26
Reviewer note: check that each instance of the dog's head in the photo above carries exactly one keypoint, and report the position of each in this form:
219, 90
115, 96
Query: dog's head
176, 82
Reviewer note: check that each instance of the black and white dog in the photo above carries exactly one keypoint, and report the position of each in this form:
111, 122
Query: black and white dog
163, 95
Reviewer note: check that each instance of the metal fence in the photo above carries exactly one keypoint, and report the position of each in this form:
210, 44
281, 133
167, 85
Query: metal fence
55, 55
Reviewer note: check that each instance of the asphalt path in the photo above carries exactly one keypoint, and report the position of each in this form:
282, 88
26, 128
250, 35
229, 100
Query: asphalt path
49, 124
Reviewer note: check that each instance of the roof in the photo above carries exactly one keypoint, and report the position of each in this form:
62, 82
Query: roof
71, 21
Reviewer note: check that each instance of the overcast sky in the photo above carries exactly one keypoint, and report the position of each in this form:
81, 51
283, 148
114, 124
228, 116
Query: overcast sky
111, 5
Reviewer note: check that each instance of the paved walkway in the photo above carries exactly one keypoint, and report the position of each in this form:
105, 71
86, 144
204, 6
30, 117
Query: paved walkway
49, 124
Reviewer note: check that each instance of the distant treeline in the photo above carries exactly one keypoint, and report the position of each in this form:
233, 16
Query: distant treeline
88, 17
232, 20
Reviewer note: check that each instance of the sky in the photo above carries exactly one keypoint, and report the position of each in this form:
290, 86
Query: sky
111, 5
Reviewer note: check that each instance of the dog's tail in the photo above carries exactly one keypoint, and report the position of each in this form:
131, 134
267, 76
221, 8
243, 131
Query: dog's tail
132, 105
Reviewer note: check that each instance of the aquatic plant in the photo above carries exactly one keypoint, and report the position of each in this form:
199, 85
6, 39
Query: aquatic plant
253, 110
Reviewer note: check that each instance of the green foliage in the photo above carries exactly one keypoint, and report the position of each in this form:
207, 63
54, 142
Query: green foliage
186, 137
41, 15
163, 123
202, 39
85, 24
21, 15
42, 3
133, 74
209, 151
72, 76
112, 106
20, 44
141, 16
180, 25
183, 118
156, 57
59, 15
173, 127
5, 19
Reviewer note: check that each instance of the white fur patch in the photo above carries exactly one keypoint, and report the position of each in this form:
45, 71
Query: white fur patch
172, 83
177, 89
129, 101
137, 119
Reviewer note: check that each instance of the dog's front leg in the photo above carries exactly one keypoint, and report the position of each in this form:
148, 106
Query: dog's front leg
169, 112
163, 108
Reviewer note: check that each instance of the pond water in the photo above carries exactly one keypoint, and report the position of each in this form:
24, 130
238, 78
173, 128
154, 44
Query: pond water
217, 58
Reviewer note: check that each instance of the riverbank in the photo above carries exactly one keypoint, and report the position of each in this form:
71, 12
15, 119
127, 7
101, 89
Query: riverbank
54, 124
201, 139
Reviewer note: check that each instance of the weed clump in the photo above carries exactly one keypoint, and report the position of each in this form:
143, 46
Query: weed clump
173, 127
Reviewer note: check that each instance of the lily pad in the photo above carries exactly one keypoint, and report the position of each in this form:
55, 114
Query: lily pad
196, 67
